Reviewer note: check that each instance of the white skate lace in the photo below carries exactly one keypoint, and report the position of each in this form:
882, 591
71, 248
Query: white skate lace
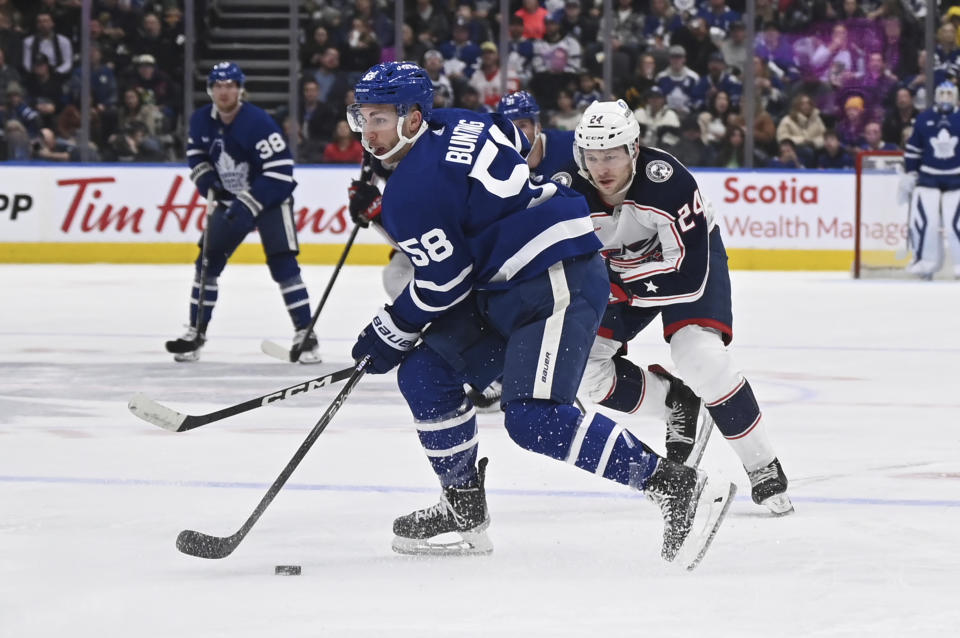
765, 473
190, 334
442, 509
675, 426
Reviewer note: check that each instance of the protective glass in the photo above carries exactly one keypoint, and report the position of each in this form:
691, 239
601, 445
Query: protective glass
372, 118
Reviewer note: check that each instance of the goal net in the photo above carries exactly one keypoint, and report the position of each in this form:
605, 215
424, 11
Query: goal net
880, 247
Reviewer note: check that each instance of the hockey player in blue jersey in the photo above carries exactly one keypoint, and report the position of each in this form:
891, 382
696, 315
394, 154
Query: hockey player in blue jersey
236, 150
665, 257
508, 278
932, 184
551, 151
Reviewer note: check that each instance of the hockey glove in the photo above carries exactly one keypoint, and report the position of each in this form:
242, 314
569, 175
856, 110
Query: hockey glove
239, 216
905, 187
387, 340
618, 290
364, 203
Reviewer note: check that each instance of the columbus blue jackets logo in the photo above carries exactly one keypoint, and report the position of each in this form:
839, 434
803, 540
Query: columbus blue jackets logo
563, 178
658, 171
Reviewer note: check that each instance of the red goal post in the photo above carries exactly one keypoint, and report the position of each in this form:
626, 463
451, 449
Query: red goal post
880, 228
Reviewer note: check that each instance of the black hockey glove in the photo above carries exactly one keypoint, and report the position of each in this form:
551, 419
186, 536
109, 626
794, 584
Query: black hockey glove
365, 203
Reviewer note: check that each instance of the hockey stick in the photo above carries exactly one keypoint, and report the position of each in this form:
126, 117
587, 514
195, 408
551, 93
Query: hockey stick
168, 419
292, 355
205, 546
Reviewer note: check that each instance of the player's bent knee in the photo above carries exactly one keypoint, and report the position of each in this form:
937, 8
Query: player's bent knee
541, 426
600, 372
703, 362
283, 267
429, 385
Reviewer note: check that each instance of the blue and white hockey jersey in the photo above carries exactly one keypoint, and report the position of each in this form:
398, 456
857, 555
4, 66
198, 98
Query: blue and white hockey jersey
557, 155
249, 156
461, 205
932, 151
658, 240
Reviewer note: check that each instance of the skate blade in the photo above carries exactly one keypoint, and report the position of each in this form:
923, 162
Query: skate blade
470, 544
187, 357
712, 506
704, 429
779, 505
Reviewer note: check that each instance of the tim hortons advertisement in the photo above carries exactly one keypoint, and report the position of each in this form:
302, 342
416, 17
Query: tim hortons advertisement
153, 204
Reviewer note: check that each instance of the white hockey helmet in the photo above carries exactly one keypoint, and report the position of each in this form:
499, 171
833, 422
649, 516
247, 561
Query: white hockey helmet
606, 125
945, 97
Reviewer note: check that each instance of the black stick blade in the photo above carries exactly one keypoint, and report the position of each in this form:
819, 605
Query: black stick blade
203, 545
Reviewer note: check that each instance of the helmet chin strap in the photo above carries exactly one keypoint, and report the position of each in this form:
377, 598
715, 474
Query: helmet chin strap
404, 140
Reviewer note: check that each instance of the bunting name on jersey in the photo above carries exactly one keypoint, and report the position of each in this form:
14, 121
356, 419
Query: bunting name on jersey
463, 142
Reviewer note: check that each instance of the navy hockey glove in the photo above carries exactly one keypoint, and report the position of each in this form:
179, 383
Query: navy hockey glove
365, 202
240, 216
386, 339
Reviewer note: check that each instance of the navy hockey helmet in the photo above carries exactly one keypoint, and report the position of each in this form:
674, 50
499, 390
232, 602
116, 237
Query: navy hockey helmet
519, 106
404, 85
225, 72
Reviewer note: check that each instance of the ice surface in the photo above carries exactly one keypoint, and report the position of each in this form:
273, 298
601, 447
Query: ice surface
858, 382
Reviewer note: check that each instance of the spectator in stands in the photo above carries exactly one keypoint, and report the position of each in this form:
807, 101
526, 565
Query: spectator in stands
775, 49
556, 61
694, 38
533, 16
716, 79
470, 100
134, 109
520, 60
442, 87
787, 157
946, 52
627, 29
873, 139
50, 44
876, 85
486, 77
899, 120
644, 77
413, 48
378, 23
660, 22
899, 47
713, 121
658, 122
690, 149
677, 81
45, 90
849, 127
838, 61
476, 20
155, 86
331, 80
730, 150
769, 86
151, 40
48, 149
19, 110
68, 127
833, 155
317, 117
734, 48
566, 117
764, 129
11, 41
133, 144
803, 126
582, 27
718, 15
8, 74
16, 142
361, 50
429, 23
103, 83
588, 91
345, 147
311, 52
460, 52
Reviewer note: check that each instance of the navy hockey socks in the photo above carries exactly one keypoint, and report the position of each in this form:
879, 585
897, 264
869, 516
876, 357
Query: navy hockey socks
628, 387
298, 302
210, 292
736, 413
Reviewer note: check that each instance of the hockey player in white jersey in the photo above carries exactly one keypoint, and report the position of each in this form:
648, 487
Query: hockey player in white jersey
931, 184
508, 278
665, 257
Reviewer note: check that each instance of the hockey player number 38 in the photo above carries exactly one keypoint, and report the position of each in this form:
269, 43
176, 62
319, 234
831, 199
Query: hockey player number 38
683, 215
434, 242
270, 145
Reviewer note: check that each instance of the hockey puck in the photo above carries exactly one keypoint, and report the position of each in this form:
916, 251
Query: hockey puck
287, 570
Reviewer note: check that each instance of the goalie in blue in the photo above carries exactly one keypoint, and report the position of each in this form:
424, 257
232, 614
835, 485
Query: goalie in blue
507, 275
236, 151
931, 184
665, 257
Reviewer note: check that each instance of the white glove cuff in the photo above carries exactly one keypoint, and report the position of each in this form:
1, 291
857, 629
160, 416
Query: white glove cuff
393, 336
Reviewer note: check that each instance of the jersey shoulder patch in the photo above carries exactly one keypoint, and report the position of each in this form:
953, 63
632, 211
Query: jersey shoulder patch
563, 178
658, 171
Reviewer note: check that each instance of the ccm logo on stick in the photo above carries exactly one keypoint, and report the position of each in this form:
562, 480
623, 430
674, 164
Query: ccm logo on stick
19, 203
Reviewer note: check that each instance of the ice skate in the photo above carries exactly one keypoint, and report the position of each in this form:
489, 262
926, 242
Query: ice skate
769, 488
310, 352
693, 507
461, 511
488, 400
683, 414
187, 347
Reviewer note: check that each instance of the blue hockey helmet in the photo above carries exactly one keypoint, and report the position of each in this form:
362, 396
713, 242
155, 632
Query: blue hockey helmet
225, 72
518, 106
945, 97
401, 84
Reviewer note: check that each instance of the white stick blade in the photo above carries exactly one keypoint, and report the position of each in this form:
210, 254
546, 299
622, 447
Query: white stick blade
152, 412
275, 350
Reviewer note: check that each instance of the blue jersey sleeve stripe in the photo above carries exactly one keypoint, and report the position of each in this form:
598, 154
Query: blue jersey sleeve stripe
280, 176
425, 307
450, 285
195, 151
552, 235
